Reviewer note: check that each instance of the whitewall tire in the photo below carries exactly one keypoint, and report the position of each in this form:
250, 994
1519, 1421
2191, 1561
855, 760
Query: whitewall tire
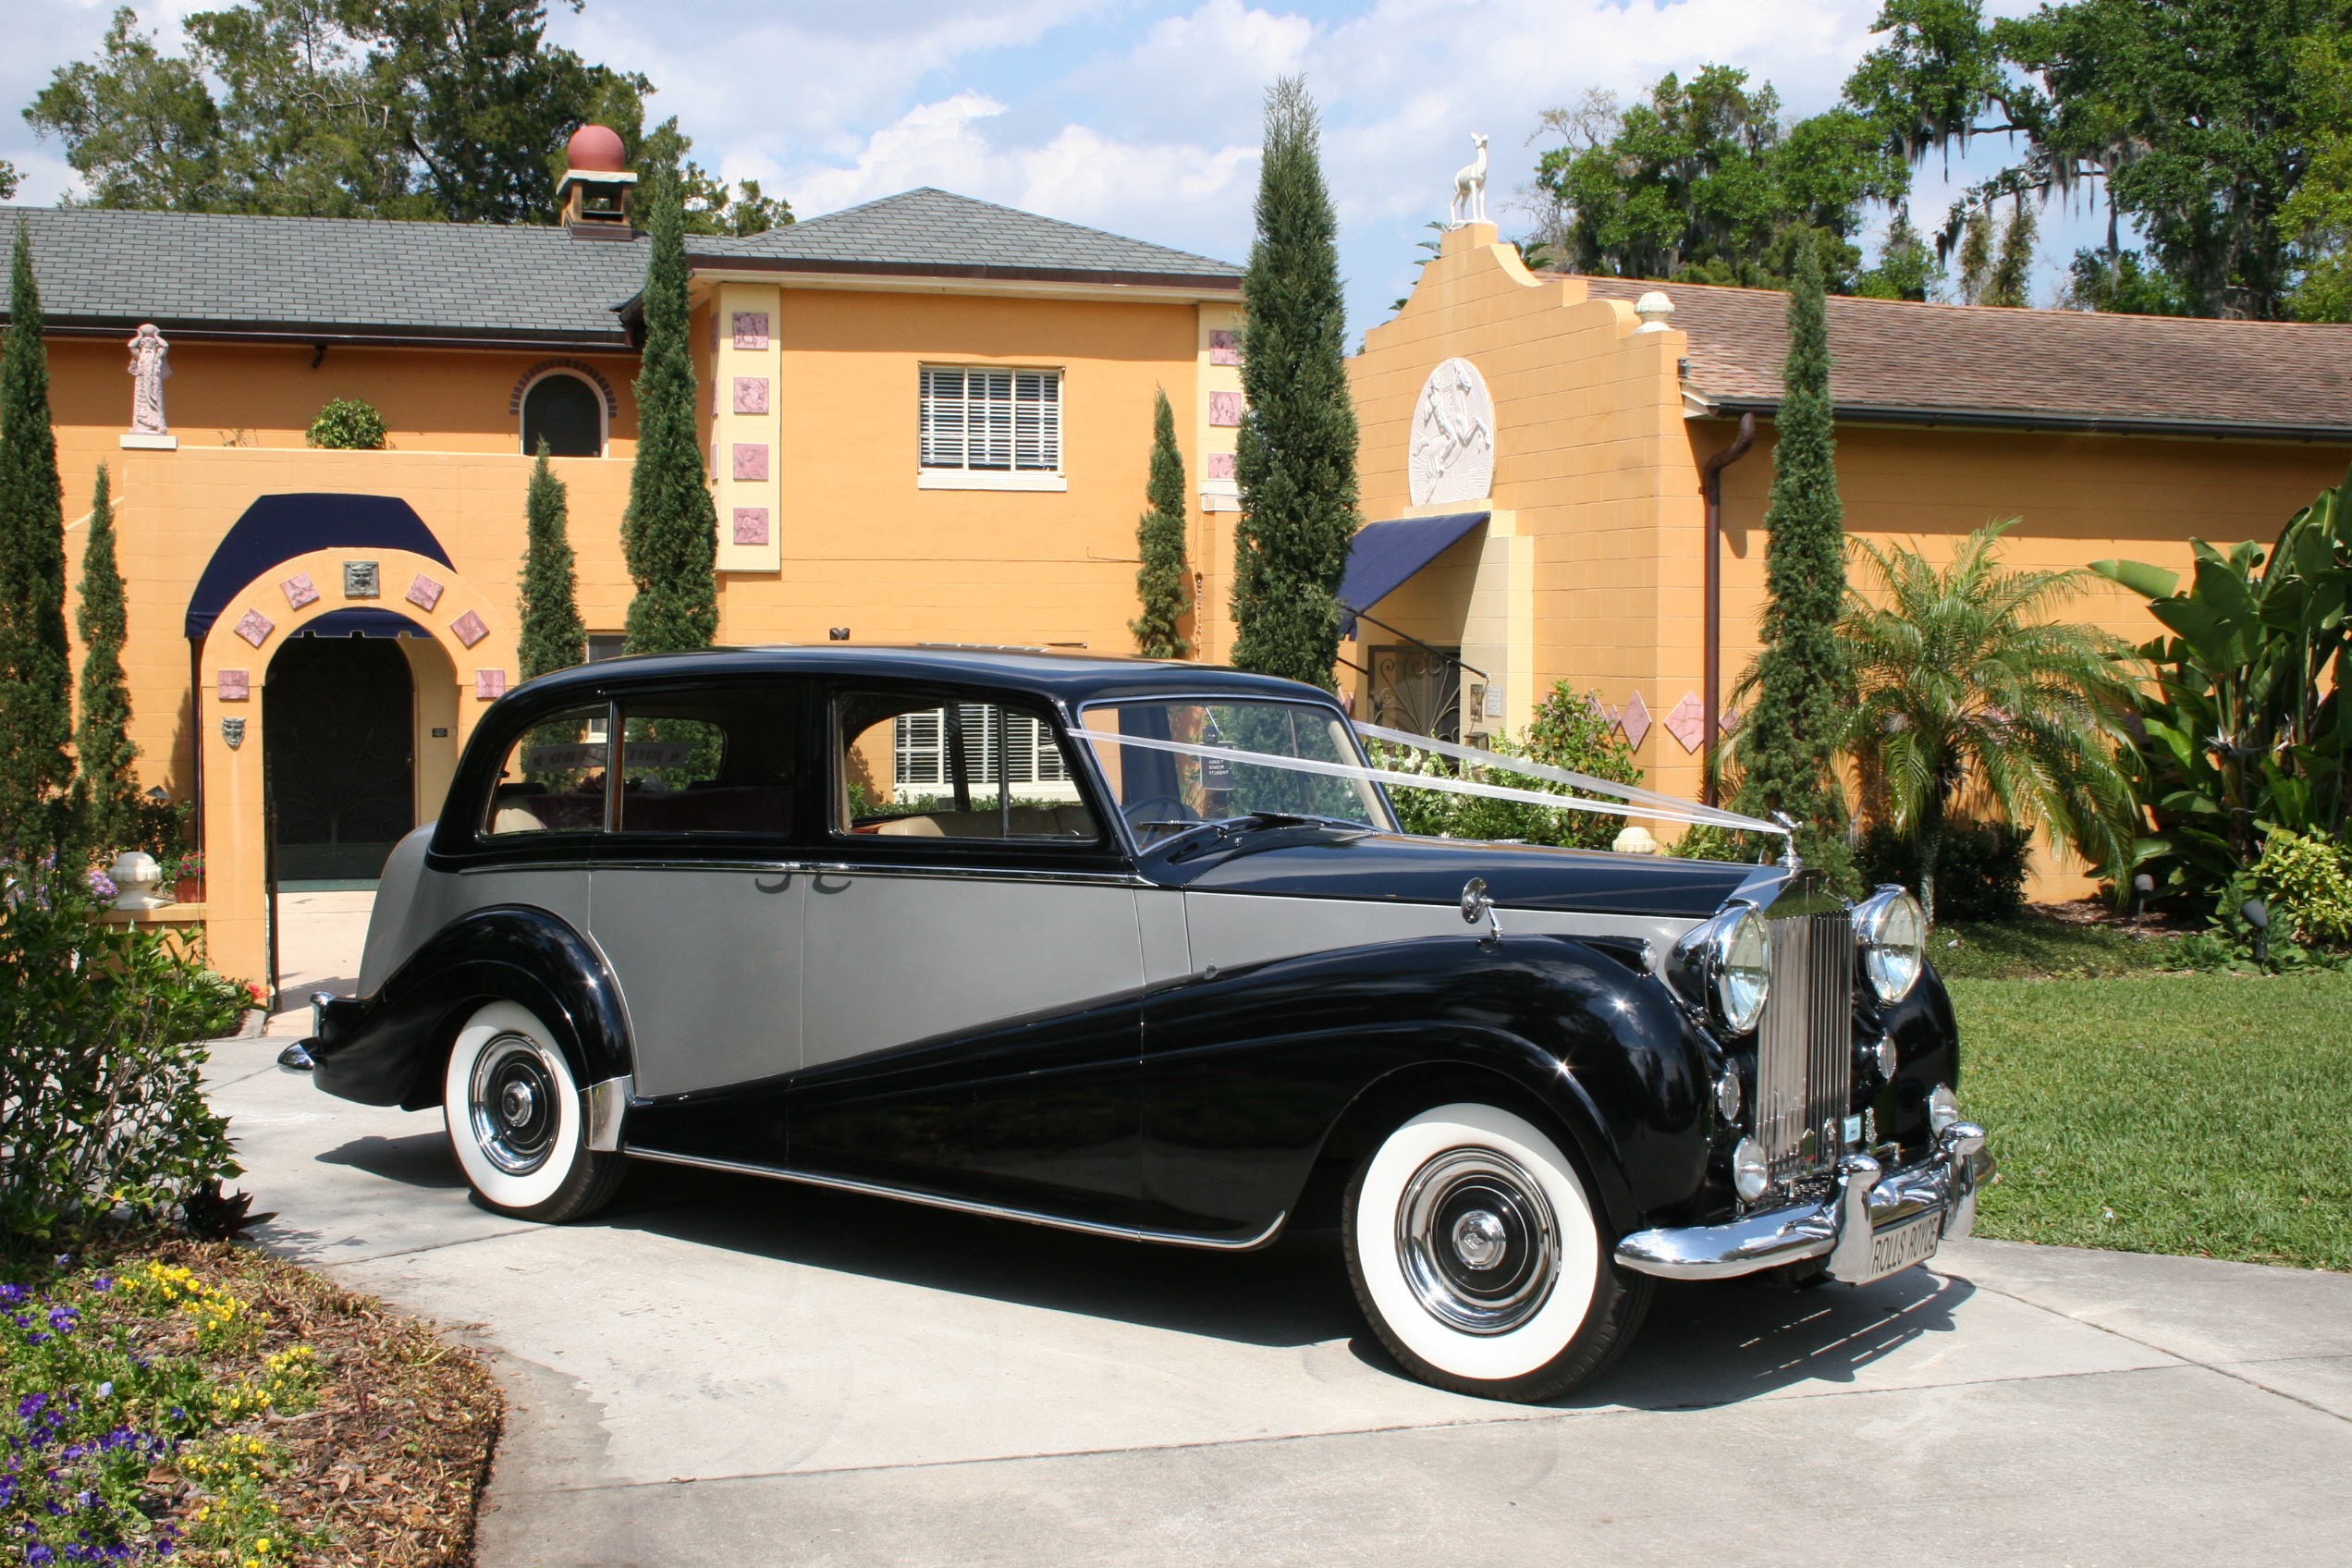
516, 1120
1476, 1254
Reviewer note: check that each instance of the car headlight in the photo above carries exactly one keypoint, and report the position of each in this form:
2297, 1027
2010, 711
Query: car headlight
1943, 1108
1739, 966
1890, 931
1750, 1174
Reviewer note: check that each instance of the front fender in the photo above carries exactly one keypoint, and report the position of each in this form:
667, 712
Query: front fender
1254, 1077
388, 1048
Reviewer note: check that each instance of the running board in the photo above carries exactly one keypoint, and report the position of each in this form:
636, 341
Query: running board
960, 1206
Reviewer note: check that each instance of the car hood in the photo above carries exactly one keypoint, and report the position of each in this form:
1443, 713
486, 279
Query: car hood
1391, 868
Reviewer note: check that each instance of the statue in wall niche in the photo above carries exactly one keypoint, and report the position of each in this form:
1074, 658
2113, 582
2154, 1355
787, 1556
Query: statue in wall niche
149, 368
1470, 188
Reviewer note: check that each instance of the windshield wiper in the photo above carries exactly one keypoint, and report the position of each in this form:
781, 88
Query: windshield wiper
1257, 821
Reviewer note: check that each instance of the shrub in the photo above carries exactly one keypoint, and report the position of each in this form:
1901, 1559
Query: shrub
102, 1099
348, 424
2309, 886
1981, 867
1569, 732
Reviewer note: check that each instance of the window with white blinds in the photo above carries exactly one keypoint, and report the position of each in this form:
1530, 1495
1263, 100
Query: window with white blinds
992, 421
920, 751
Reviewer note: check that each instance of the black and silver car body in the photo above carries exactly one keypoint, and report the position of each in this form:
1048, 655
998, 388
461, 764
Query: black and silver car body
1106, 980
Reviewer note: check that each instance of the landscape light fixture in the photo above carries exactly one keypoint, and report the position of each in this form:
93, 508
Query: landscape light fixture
159, 794
2142, 885
2258, 915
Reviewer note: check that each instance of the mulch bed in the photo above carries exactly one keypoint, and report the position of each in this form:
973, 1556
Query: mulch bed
2099, 912
385, 1464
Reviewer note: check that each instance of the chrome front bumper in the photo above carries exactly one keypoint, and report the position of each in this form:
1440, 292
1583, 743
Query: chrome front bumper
1868, 1200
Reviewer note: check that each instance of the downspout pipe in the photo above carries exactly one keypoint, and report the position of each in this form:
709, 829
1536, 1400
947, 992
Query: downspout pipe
1711, 485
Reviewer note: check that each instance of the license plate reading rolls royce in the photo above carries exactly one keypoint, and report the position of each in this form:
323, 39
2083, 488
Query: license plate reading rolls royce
1900, 1246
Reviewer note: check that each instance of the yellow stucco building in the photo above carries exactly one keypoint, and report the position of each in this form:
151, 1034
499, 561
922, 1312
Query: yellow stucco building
929, 419
1538, 452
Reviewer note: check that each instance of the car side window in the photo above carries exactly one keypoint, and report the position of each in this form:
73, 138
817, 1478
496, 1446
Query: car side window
918, 768
552, 779
719, 760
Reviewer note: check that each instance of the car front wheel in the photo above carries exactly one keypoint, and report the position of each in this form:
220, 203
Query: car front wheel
1471, 1244
516, 1122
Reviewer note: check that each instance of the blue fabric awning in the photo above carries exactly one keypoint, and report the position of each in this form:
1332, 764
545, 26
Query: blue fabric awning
1385, 554
278, 528
362, 620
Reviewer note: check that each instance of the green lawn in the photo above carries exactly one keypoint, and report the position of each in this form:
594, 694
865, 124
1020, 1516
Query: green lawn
2208, 1115
2047, 950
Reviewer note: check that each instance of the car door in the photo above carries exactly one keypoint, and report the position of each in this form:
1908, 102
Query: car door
975, 972
696, 898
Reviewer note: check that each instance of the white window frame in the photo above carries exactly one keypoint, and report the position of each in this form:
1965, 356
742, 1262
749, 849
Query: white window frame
919, 753
595, 395
944, 436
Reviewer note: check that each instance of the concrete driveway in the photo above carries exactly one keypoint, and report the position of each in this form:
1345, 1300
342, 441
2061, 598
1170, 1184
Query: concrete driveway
723, 1371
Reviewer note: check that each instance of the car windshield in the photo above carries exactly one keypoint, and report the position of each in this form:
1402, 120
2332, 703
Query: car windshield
1163, 792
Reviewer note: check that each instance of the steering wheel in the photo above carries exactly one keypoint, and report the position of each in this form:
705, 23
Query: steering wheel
1157, 808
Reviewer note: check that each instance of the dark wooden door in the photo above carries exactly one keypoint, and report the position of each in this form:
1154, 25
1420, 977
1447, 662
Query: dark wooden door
338, 722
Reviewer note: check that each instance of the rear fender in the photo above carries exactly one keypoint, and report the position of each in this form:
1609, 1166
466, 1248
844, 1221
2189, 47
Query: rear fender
390, 1049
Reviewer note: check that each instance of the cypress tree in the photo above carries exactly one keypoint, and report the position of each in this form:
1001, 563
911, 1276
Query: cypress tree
36, 675
1160, 540
107, 791
1800, 679
1296, 461
669, 533
553, 635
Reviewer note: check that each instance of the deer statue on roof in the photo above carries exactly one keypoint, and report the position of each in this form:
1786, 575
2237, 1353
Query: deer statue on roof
1470, 188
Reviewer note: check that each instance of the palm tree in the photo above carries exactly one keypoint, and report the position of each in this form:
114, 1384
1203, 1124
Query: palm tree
1960, 677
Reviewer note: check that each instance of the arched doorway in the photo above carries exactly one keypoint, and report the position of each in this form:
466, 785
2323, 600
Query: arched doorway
338, 736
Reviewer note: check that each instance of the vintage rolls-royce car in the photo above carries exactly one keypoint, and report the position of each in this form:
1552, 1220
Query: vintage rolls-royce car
1137, 948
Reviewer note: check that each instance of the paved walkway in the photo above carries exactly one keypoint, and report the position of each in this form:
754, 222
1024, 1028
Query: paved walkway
734, 1372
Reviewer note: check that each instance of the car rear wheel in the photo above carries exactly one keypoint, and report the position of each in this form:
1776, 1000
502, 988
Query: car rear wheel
1473, 1247
516, 1122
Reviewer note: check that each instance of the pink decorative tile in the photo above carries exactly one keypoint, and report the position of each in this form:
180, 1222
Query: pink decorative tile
751, 525
751, 459
234, 685
714, 462
424, 593
715, 396
1634, 721
300, 589
1730, 722
1221, 465
750, 329
751, 393
255, 628
1225, 408
489, 685
1687, 723
467, 629
1224, 347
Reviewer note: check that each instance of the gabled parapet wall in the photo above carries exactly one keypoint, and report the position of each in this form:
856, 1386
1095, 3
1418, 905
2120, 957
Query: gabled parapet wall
1595, 541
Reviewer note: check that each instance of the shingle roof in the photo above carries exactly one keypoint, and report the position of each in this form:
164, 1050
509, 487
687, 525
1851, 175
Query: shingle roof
936, 233
328, 278
1895, 361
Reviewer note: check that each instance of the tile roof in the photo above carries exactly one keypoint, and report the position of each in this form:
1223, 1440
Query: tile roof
936, 233
331, 277
1898, 362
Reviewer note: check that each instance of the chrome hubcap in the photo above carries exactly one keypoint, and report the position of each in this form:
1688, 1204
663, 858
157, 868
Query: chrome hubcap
1477, 1240
511, 1105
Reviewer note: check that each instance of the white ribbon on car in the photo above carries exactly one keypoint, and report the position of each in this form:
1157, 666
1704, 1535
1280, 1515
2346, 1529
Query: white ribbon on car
1631, 803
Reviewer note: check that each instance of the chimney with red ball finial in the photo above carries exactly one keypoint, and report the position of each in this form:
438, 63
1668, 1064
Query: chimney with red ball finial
598, 188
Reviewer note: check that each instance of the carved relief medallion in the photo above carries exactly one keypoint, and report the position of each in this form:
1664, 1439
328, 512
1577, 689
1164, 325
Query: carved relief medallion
1452, 453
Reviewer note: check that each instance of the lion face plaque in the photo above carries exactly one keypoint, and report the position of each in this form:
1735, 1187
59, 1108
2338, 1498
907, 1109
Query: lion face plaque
1452, 452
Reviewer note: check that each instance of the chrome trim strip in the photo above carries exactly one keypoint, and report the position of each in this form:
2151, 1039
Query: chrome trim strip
829, 868
605, 1104
960, 1205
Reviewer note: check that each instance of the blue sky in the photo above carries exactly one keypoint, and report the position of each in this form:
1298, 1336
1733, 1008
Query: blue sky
1141, 116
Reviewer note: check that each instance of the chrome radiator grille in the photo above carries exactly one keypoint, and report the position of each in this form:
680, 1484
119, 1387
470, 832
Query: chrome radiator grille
1805, 1047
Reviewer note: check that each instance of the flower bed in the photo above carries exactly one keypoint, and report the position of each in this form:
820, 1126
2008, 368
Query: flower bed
207, 1404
